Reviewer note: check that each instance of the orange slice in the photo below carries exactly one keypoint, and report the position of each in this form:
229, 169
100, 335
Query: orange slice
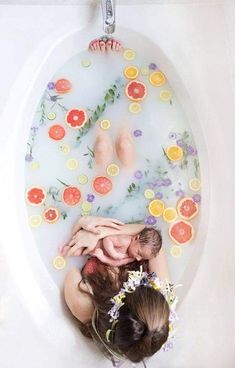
169, 214
35, 196
71, 196
56, 132
131, 72
76, 118
157, 79
136, 90
156, 207
174, 153
181, 232
187, 208
102, 185
51, 215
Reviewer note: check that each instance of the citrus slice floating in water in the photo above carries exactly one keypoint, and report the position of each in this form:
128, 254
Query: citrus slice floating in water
195, 184
86, 206
64, 148
156, 207
187, 208
165, 95
174, 153
144, 70
86, 63
72, 164
131, 72
102, 185
83, 179
76, 118
169, 214
35, 220
105, 124
149, 193
51, 115
157, 79
63, 86
56, 132
51, 215
136, 90
129, 54
71, 196
113, 170
59, 262
135, 107
176, 251
35, 196
181, 232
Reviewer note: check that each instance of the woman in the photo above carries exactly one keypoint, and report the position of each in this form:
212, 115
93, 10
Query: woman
128, 317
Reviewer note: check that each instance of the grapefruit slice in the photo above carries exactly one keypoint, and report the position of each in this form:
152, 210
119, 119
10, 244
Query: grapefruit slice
136, 90
76, 118
181, 232
63, 86
51, 215
56, 132
187, 208
71, 196
102, 185
35, 196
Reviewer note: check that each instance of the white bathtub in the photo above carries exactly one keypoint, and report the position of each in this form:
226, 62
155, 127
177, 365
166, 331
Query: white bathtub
196, 39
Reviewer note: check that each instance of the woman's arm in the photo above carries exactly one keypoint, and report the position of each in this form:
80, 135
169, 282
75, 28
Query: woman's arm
79, 303
159, 265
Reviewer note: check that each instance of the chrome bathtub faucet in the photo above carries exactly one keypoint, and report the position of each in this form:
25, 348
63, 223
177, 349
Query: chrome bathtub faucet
108, 10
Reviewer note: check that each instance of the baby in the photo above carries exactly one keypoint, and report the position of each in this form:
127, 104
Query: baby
123, 249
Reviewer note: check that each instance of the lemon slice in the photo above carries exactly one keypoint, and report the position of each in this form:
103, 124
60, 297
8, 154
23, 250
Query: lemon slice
83, 179
165, 95
35, 220
72, 164
105, 124
144, 70
34, 165
51, 115
157, 79
112, 170
156, 207
64, 148
195, 184
169, 214
131, 72
174, 153
135, 107
176, 251
86, 206
129, 54
86, 63
59, 262
149, 193
85, 213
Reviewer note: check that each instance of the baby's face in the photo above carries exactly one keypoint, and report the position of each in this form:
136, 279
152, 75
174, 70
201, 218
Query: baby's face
138, 251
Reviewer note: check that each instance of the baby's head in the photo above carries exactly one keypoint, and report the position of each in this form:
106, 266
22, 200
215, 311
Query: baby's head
145, 245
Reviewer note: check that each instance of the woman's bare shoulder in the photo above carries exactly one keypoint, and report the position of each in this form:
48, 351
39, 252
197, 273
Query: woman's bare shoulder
79, 302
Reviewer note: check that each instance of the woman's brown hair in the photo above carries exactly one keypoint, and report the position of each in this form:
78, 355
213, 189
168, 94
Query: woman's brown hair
143, 323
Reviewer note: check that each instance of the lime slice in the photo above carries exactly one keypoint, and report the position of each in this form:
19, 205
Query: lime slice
149, 193
35, 220
144, 70
51, 115
129, 54
34, 165
72, 164
59, 262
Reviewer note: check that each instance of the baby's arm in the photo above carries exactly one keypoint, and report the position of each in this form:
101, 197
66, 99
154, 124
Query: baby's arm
109, 247
109, 261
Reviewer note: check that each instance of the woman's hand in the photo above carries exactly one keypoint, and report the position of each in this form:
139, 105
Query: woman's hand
82, 239
91, 224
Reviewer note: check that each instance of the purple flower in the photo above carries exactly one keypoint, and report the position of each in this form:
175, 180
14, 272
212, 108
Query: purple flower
172, 135
28, 157
180, 142
190, 150
158, 183
137, 133
179, 193
51, 85
166, 182
159, 195
138, 174
167, 346
150, 220
197, 198
152, 66
90, 197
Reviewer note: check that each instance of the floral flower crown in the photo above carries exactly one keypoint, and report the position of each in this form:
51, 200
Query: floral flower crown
139, 278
